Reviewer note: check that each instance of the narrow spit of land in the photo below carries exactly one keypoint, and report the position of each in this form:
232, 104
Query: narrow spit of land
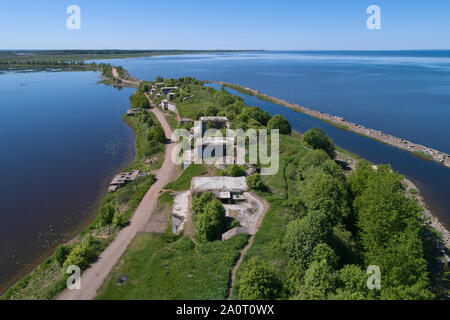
339, 122
92, 278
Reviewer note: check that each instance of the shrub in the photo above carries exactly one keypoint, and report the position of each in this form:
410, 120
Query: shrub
157, 134
61, 254
233, 170
235, 224
255, 181
119, 220
80, 256
200, 202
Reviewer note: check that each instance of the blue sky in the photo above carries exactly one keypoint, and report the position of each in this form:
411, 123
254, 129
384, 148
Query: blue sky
230, 24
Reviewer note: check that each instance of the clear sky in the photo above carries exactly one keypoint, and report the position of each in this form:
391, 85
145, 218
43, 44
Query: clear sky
225, 24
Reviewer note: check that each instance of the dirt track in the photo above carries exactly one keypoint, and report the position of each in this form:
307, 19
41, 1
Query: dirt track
265, 208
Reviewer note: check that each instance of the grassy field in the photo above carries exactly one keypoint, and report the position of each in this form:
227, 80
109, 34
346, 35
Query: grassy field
203, 97
184, 181
161, 269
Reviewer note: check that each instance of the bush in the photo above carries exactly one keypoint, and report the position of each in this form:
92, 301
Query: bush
257, 281
255, 181
61, 254
157, 134
235, 224
317, 139
119, 220
233, 170
80, 256
280, 123
200, 202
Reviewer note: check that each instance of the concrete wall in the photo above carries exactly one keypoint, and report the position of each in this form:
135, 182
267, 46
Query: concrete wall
234, 232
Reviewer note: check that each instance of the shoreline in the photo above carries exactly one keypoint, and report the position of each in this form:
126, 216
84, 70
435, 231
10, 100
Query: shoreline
423, 152
73, 235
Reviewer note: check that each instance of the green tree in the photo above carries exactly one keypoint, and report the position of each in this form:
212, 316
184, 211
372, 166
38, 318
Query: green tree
80, 256
210, 223
200, 201
119, 220
223, 97
311, 162
157, 134
280, 123
317, 139
319, 282
211, 111
106, 215
323, 252
61, 254
300, 240
257, 281
321, 186
352, 283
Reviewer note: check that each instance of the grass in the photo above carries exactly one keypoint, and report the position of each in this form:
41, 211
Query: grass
184, 181
239, 89
144, 147
171, 118
267, 244
160, 269
348, 153
422, 155
203, 98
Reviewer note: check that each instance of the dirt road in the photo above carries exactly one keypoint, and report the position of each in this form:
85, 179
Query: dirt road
92, 278
116, 75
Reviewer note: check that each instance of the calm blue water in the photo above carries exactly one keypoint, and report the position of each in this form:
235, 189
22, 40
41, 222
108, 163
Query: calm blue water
403, 93
61, 139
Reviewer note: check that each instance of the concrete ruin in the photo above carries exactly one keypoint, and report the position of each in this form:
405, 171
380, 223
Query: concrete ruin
239, 204
122, 179
180, 211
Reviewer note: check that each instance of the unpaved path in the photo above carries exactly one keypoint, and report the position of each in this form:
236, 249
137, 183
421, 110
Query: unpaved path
116, 75
266, 207
92, 278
